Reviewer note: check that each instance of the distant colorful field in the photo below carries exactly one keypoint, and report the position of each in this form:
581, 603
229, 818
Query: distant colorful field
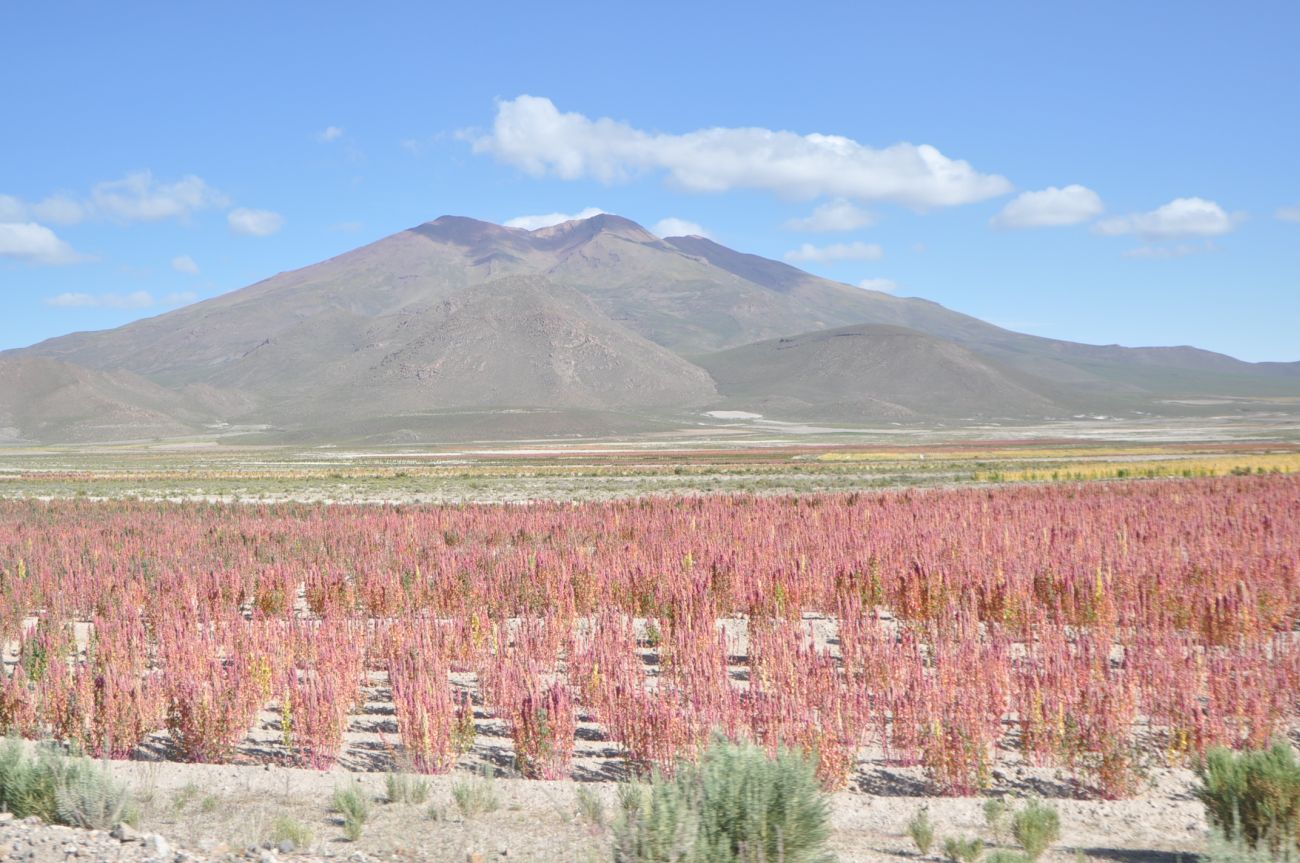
611, 470
1104, 627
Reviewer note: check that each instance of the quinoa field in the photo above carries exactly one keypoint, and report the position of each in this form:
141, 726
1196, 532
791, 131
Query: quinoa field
1104, 630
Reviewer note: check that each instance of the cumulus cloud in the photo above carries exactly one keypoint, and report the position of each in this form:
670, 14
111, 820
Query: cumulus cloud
329, 134
179, 298
1289, 214
675, 227
133, 300
34, 244
530, 133
1181, 217
61, 210
545, 220
837, 215
254, 223
1050, 208
138, 197
56, 209
185, 264
71, 300
855, 251
887, 286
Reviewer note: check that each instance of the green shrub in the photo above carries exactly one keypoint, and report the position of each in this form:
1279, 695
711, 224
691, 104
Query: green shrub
1036, 827
658, 823
476, 795
996, 810
286, 828
921, 831
590, 810
963, 850
186, 795
60, 788
1220, 849
354, 807
405, 788
738, 805
1253, 798
90, 800
1006, 855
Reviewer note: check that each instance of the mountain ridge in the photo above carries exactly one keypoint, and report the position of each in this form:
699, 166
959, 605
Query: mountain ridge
590, 316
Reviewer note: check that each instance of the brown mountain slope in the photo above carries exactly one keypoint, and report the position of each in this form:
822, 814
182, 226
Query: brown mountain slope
43, 399
674, 297
870, 372
594, 316
688, 294
519, 341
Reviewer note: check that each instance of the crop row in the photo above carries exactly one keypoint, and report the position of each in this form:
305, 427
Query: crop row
1100, 628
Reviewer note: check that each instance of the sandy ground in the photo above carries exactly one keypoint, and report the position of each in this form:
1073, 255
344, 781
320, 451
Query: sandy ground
215, 809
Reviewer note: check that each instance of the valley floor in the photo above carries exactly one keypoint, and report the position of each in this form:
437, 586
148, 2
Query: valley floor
746, 460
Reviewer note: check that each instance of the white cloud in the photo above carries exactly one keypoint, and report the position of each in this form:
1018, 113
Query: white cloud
12, 209
1289, 214
1181, 217
328, 134
134, 300
137, 197
545, 220
69, 300
1177, 250
61, 209
1050, 208
57, 209
855, 251
837, 215
185, 264
675, 227
35, 244
887, 286
530, 133
254, 223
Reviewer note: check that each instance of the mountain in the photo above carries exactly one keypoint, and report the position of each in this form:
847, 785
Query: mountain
47, 399
516, 341
462, 328
870, 372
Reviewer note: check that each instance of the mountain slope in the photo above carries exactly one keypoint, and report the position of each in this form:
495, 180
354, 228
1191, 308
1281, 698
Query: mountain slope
870, 372
670, 292
590, 324
42, 399
688, 294
518, 341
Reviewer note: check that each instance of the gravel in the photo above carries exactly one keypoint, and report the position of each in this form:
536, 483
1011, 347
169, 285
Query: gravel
30, 840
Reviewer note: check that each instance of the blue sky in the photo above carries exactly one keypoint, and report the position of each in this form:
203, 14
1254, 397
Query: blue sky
1125, 172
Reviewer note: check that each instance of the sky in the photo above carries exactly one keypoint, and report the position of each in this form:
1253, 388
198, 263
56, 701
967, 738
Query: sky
1101, 172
